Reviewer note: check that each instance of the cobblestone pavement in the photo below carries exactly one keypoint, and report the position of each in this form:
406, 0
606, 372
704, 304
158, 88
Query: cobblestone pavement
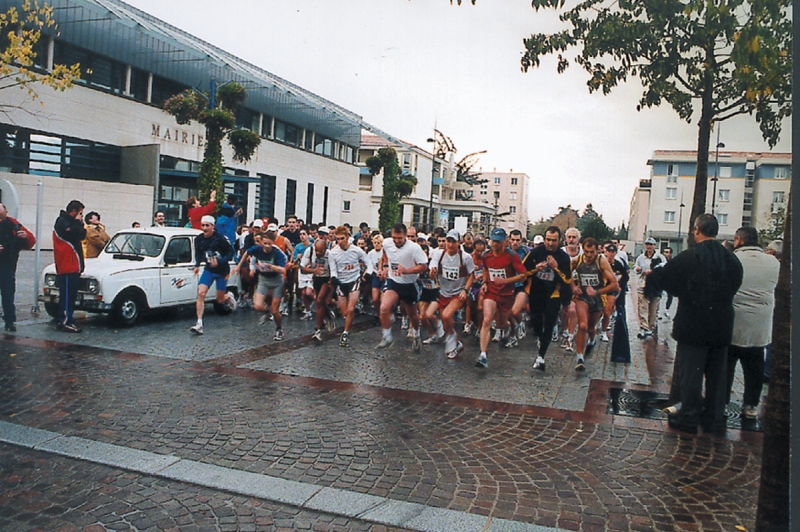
500, 442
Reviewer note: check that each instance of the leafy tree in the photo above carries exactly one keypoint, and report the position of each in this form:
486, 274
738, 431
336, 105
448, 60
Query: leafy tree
395, 186
622, 233
219, 117
538, 227
777, 220
20, 30
731, 56
596, 228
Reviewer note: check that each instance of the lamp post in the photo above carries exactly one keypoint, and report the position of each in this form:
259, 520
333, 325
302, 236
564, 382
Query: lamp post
433, 175
680, 223
715, 179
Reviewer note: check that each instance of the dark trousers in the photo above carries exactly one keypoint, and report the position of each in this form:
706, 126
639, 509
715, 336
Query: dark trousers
699, 362
752, 359
7, 288
67, 294
544, 315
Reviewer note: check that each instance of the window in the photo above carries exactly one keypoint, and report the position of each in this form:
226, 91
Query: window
310, 203
725, 171
179, 251
483, 192
512, 209
672, 193
346, 206
513, 196
265, 196
291, 196
669, 217
722, 218
672, 173
514, 180
777, 196
496, 180
749, 178
780, 172
724, 194
406, 161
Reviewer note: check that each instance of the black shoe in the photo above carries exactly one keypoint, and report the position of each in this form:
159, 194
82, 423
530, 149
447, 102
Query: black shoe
672, 422
10, 327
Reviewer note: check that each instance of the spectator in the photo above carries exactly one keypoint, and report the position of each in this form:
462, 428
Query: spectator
13, 238
704, 278
753, 305
136, 225
226, 222
68, 233
648, 299
195, 211
96, 236
775, 248
158, 219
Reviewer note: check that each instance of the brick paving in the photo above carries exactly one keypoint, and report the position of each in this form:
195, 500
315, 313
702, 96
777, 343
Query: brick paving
412, 427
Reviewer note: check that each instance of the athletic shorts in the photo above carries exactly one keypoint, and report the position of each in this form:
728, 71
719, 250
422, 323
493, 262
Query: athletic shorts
305, 280
444, 301
595, 303
429, 295
504, 304
408, 293
378, 283
518, 289
319, 282
208, 278
265, 284
344, 289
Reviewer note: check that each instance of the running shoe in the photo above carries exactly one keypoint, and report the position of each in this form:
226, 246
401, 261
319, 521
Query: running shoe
317, 335
344, 341
232, 302
554, 338
278, 335
750, 412
197, 329
266, 318
511, 342
481, 362
568, 344
307, 315
467, 328
404, 324
432, 340
580, 364
385, 343
497, 335
454, 353
522, 331
284, 309
416, 344
330, 320
590, 346
604, 337
539, 364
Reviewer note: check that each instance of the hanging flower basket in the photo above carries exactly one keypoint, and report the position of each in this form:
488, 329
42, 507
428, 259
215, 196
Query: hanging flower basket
244, 143
184, 107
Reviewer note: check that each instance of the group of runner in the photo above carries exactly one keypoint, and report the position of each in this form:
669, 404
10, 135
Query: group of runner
428, 281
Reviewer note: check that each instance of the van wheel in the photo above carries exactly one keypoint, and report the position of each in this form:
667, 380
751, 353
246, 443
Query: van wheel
127, 308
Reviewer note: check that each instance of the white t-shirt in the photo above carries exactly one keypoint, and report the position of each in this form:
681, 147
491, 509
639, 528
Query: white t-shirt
374, 257
449, 267
311, 255
409, 255
344, 263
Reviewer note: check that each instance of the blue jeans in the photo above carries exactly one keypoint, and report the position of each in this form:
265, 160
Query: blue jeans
67, 294
7, 289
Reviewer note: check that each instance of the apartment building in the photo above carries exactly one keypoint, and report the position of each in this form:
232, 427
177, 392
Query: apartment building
743, 189
507, 194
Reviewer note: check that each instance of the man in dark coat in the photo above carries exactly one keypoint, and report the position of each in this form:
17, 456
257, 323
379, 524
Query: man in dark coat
13, 238
704, 278
68, 234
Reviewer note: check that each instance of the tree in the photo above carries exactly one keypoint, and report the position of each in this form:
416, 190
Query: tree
596, 228
21, 30
777, 220
395, 186
218, 114
731, 56
622, 232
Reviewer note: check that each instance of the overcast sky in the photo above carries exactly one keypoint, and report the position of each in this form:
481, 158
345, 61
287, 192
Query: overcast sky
405, 65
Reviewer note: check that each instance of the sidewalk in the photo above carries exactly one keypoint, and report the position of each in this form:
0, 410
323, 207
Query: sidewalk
503, 447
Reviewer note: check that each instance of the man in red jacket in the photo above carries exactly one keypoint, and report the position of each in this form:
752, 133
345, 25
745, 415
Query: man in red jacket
68, 234
195, 211
13, 238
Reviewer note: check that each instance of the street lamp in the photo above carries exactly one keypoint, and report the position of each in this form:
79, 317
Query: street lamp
716, 167
680, 223
433, 175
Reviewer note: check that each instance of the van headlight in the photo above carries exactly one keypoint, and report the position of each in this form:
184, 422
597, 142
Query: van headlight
50, 280
92, 286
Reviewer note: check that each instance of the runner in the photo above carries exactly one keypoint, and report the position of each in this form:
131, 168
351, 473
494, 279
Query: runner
520, 291
406, 261
551, 283
305, 285
568, 317
429, 297
454, 271
215, 250
315, 262
346, 277
269, 263
378, 281
499, 266
474, 317
622, 273
592, 280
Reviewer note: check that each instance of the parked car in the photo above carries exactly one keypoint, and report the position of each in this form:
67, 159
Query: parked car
139, 270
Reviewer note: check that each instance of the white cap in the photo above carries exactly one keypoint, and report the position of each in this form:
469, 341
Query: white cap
422, 235
323, 229
207, 219
454, 234
272, 227
538, 239
258, 223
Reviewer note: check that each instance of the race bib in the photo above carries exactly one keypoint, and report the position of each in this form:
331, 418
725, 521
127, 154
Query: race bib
546, 275
495, 274
478, 275
590, 279
348, 267
393, 266
451, 274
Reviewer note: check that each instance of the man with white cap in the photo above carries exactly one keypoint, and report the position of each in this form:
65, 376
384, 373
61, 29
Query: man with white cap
454, 270
647, 303
215, 250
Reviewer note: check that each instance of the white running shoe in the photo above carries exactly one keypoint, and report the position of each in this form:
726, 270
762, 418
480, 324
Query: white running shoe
197, 329
317, 335
522, 331
454, 353
539, 364
497, 334
404, 324
604, 337
432, 340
